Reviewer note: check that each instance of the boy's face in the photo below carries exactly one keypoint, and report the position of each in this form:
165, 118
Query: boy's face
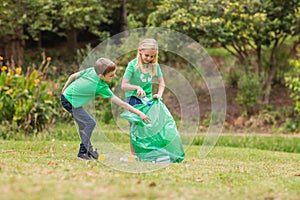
147, 55
109, 76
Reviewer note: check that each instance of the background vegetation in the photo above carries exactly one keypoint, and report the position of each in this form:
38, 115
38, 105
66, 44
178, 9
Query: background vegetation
254, 43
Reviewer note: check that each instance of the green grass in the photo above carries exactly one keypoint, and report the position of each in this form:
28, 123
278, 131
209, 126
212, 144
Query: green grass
272, 142
44, 166
49, 170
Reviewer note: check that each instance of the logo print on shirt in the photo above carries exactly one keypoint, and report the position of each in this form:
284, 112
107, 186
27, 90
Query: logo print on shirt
145, 79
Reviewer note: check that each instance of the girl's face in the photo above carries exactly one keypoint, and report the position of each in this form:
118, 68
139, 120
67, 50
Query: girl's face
147, 55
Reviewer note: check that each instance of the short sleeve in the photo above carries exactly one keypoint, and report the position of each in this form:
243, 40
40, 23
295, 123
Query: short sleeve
82, 72
129, 71
159, 73
105, 92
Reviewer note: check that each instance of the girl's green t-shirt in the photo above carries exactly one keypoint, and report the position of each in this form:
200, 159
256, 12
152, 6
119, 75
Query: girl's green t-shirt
137, 78
86, 88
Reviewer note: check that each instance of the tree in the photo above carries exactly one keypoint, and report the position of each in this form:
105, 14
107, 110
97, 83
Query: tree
18, 17
21, 19
254, 31
130, 14
74, 15
139, 10
124, 23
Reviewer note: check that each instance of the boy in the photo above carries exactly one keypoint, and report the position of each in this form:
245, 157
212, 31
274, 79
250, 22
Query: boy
84, 86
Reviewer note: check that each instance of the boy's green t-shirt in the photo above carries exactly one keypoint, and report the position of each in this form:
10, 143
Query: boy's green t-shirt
137, 78
86, 88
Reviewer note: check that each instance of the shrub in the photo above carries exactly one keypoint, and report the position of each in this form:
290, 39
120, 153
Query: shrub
249, 92
26, 102
292, 81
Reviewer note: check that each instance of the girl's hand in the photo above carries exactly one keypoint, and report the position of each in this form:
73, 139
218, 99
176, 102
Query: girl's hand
141, 92
156, 96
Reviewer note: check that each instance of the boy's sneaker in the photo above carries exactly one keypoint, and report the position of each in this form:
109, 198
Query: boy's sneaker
83, 156
93, 154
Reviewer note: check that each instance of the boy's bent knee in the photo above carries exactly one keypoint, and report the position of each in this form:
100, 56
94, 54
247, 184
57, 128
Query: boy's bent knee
91, 123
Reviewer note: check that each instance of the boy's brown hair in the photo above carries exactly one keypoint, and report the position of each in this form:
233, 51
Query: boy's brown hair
104, 66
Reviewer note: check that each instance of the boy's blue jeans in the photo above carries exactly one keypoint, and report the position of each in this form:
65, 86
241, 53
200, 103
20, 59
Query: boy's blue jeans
85, 124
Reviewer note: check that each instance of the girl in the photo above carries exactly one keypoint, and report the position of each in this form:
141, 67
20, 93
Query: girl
137, 79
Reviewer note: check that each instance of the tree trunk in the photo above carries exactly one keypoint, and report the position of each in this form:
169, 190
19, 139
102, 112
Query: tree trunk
124, 24
72, 41
293, 52
259, 61
267, 87
13, 49
40, 45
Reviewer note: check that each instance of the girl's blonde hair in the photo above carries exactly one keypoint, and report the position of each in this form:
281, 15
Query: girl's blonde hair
148, 43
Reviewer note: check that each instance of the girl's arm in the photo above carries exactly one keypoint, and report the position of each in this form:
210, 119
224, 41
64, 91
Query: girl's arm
70, 79
161, 88
125, 105
127, 86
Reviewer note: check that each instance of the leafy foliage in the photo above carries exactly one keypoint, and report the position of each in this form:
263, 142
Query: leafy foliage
81, 15
254, 32
247, 29
293, 82
27, 103
34, 16
55, 16
249, 92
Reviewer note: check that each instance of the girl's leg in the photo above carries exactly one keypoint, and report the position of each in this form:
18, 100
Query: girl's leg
133, 101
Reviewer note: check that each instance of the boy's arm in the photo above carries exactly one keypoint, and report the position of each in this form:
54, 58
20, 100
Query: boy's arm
70, 79
127, 86
161, 88
126, 106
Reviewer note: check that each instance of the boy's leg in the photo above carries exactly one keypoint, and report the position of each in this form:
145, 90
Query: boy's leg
86, 125
133, 101
66, 104
82, 154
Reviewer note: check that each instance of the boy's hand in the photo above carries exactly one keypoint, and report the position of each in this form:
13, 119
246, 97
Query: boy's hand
144, 117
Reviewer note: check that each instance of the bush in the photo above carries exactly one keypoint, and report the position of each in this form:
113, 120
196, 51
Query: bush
27, 102
249, 92
292, 81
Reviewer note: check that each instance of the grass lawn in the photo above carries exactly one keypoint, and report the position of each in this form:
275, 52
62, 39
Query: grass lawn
49, 170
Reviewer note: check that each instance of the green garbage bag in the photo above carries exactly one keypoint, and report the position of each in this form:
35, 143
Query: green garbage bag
159, 138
